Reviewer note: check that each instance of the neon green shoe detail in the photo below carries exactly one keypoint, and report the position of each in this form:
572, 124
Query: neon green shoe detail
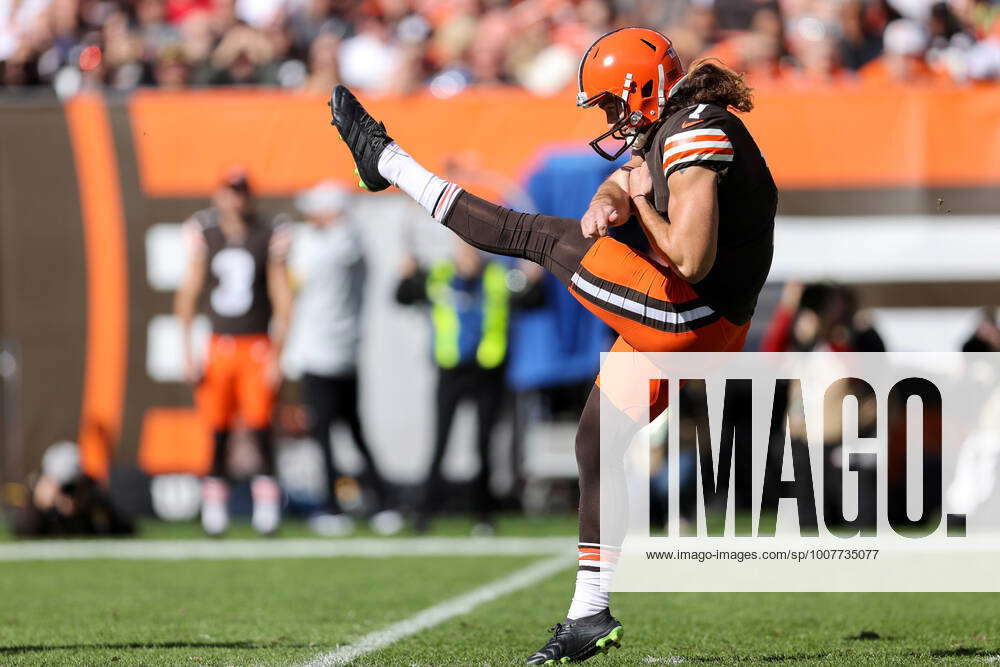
612, 639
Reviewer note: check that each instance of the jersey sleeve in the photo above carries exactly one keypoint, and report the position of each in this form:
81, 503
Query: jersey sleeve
698, 138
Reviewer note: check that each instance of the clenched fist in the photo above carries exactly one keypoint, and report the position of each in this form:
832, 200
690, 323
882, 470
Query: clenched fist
640, 182
600, 215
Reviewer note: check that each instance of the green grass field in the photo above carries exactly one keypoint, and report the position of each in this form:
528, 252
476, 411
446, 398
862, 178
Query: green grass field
287, 611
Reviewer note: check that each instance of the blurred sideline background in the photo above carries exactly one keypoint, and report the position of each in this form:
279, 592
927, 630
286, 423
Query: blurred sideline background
117, 120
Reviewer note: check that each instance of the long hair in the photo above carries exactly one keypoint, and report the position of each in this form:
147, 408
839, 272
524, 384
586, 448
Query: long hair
711, 83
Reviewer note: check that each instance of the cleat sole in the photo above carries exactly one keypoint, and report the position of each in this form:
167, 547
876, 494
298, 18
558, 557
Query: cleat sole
610, 641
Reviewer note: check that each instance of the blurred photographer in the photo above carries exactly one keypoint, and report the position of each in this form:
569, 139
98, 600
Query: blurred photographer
65, 501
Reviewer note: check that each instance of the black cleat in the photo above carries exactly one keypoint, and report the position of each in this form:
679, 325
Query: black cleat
365, 136
577, 640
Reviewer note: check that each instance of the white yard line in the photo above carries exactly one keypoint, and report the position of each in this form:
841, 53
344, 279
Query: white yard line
440, 613
385, 547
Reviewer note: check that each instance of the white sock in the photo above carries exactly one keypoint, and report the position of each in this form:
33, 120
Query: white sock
435, 194
214, 505
266, 504
592, 592
588, 598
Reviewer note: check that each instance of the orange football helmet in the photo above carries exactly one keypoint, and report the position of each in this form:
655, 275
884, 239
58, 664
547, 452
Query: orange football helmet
630, 73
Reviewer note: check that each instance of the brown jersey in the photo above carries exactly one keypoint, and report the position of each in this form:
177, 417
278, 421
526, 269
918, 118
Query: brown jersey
709, 136
237, 293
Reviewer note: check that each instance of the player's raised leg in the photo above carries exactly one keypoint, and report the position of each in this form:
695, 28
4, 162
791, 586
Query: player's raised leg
555, 243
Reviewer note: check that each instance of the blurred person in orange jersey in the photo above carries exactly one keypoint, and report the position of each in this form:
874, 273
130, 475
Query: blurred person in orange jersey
701, 191
904, 44
240, 261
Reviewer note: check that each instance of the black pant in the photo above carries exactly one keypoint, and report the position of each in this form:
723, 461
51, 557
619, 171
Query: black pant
486, 388
333, 399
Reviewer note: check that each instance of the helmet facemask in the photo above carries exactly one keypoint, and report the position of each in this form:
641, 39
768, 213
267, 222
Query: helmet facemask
623, 124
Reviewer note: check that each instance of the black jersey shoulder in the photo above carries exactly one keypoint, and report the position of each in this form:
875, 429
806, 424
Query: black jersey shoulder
697, 135
206, 219
696, 116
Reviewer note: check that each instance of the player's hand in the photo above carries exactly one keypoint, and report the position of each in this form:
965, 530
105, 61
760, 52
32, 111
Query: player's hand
640, 182
272, 373
600, 215
192, 372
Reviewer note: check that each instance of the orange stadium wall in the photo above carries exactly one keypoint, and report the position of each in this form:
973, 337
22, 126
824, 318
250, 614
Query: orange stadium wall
82, 184
839, 137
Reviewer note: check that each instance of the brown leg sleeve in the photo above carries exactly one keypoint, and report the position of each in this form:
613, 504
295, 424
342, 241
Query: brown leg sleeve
618, 434
554, 243
588, 463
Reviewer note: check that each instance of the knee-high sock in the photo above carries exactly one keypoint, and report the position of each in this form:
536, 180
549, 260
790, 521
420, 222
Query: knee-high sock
593, 579
435, 194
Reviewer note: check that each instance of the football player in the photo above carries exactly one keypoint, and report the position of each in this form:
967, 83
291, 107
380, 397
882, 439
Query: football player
240, 259
703, 194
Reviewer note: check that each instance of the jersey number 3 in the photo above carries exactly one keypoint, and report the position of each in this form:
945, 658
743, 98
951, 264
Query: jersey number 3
233, 296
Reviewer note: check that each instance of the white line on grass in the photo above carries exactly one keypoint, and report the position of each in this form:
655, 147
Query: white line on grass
378, 547
439, 613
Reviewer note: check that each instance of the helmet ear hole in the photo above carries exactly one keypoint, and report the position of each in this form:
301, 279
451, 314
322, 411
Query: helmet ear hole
647, 88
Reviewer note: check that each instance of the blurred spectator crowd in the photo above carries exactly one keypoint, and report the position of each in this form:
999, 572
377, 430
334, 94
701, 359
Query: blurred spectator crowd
397, 46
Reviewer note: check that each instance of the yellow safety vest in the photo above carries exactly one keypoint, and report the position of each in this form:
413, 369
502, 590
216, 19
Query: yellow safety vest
493, 344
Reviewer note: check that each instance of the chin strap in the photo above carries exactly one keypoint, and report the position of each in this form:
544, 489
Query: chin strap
639, 144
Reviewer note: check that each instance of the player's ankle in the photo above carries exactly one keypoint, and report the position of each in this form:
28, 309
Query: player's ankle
432, 192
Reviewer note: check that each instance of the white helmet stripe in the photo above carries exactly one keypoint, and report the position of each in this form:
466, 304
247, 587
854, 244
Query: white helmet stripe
661, 100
